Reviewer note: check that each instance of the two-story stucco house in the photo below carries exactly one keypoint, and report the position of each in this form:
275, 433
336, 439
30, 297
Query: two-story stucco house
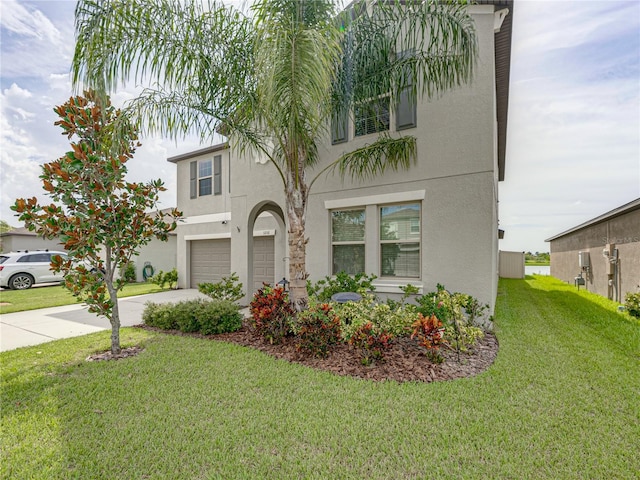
435, 223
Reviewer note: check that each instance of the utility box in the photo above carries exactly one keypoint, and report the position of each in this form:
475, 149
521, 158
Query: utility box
583, 260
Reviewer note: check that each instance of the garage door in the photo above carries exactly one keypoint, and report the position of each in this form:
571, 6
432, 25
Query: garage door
263, 261
210, 260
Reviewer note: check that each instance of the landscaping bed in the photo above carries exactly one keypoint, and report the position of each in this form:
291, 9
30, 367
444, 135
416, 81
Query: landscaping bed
405, 361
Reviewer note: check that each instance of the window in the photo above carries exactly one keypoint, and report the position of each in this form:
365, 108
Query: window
200, 178
347, 241
400, 240
372, 116
204, 177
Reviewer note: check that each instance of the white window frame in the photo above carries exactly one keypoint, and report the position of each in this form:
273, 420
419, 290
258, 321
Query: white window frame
335, 243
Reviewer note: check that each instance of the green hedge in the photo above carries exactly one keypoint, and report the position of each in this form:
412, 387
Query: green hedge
203, 316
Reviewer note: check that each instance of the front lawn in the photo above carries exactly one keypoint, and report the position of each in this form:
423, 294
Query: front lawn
561, 401
57, 295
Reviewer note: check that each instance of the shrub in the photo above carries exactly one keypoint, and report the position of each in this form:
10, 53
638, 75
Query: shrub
199, 315
228, 288
632, 304
159, 315
429, 332
466, 336
371, 344
435, 304
317, 328
128, 272
342, 282
218, 317
162, 278
271, 313
396, 321
186, 315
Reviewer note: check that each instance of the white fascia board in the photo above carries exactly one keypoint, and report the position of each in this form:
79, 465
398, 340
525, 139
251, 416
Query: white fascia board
208, 236
209, 218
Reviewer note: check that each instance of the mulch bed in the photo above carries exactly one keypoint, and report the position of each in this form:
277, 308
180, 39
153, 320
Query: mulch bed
124, 353
405, 361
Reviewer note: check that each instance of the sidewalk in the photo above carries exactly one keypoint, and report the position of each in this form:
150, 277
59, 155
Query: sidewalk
22, 329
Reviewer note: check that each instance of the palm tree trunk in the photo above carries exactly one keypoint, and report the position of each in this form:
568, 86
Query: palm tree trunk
296, 206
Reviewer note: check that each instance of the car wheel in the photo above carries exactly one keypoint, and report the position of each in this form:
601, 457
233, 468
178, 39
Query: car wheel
21, 281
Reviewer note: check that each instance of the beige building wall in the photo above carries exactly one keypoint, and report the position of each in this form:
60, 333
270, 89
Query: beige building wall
12, 242
160, 255
606, 278
454, 180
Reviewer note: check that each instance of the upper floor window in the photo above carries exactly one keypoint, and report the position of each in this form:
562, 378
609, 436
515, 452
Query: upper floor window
400, 240
372, 116
206, 177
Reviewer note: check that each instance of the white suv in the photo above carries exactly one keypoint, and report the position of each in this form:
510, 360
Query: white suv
21, 270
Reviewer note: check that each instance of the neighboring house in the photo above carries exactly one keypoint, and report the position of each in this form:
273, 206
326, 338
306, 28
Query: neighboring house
436, 223
22, 239
156, 255
160, 255
604, 251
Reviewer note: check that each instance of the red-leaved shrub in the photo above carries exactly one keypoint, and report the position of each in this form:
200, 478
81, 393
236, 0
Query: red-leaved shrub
272, 313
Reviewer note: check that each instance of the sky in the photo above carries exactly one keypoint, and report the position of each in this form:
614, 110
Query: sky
573, 142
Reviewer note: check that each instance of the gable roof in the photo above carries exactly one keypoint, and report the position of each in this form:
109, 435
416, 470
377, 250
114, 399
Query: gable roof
616, 212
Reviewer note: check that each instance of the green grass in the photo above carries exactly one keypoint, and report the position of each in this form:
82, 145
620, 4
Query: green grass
57, 295
538, 264
561, 401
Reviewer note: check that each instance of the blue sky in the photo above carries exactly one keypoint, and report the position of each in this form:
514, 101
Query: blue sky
573, 147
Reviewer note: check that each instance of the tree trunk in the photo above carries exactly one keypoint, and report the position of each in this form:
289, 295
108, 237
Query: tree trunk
296, 205
115, 321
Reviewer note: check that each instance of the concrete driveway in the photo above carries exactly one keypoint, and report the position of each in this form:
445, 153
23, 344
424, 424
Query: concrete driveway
33, 327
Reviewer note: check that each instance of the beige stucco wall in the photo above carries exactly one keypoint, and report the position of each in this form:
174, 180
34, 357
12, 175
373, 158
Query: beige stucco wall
12, 243
160, 255
624, 233
455, 178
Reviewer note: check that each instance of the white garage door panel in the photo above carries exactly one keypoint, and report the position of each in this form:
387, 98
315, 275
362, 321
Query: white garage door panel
210, 260
263, 261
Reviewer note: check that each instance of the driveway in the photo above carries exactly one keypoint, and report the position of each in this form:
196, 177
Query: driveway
33, 327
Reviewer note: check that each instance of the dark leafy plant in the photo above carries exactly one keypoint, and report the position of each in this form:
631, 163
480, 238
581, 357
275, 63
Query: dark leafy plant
429, 332
317, 328
199, 315
371, 344
433, 304
632, 304
186, 315
323, 290
218, 317
272, 313
128, 272
228, 288
159, 315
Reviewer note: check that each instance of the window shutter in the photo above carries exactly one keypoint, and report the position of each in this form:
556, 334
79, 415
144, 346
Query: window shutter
217, 175
339, 126
406, 107
193, 180
406, 111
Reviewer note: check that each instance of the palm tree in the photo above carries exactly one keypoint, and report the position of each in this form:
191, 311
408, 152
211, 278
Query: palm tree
273, 81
